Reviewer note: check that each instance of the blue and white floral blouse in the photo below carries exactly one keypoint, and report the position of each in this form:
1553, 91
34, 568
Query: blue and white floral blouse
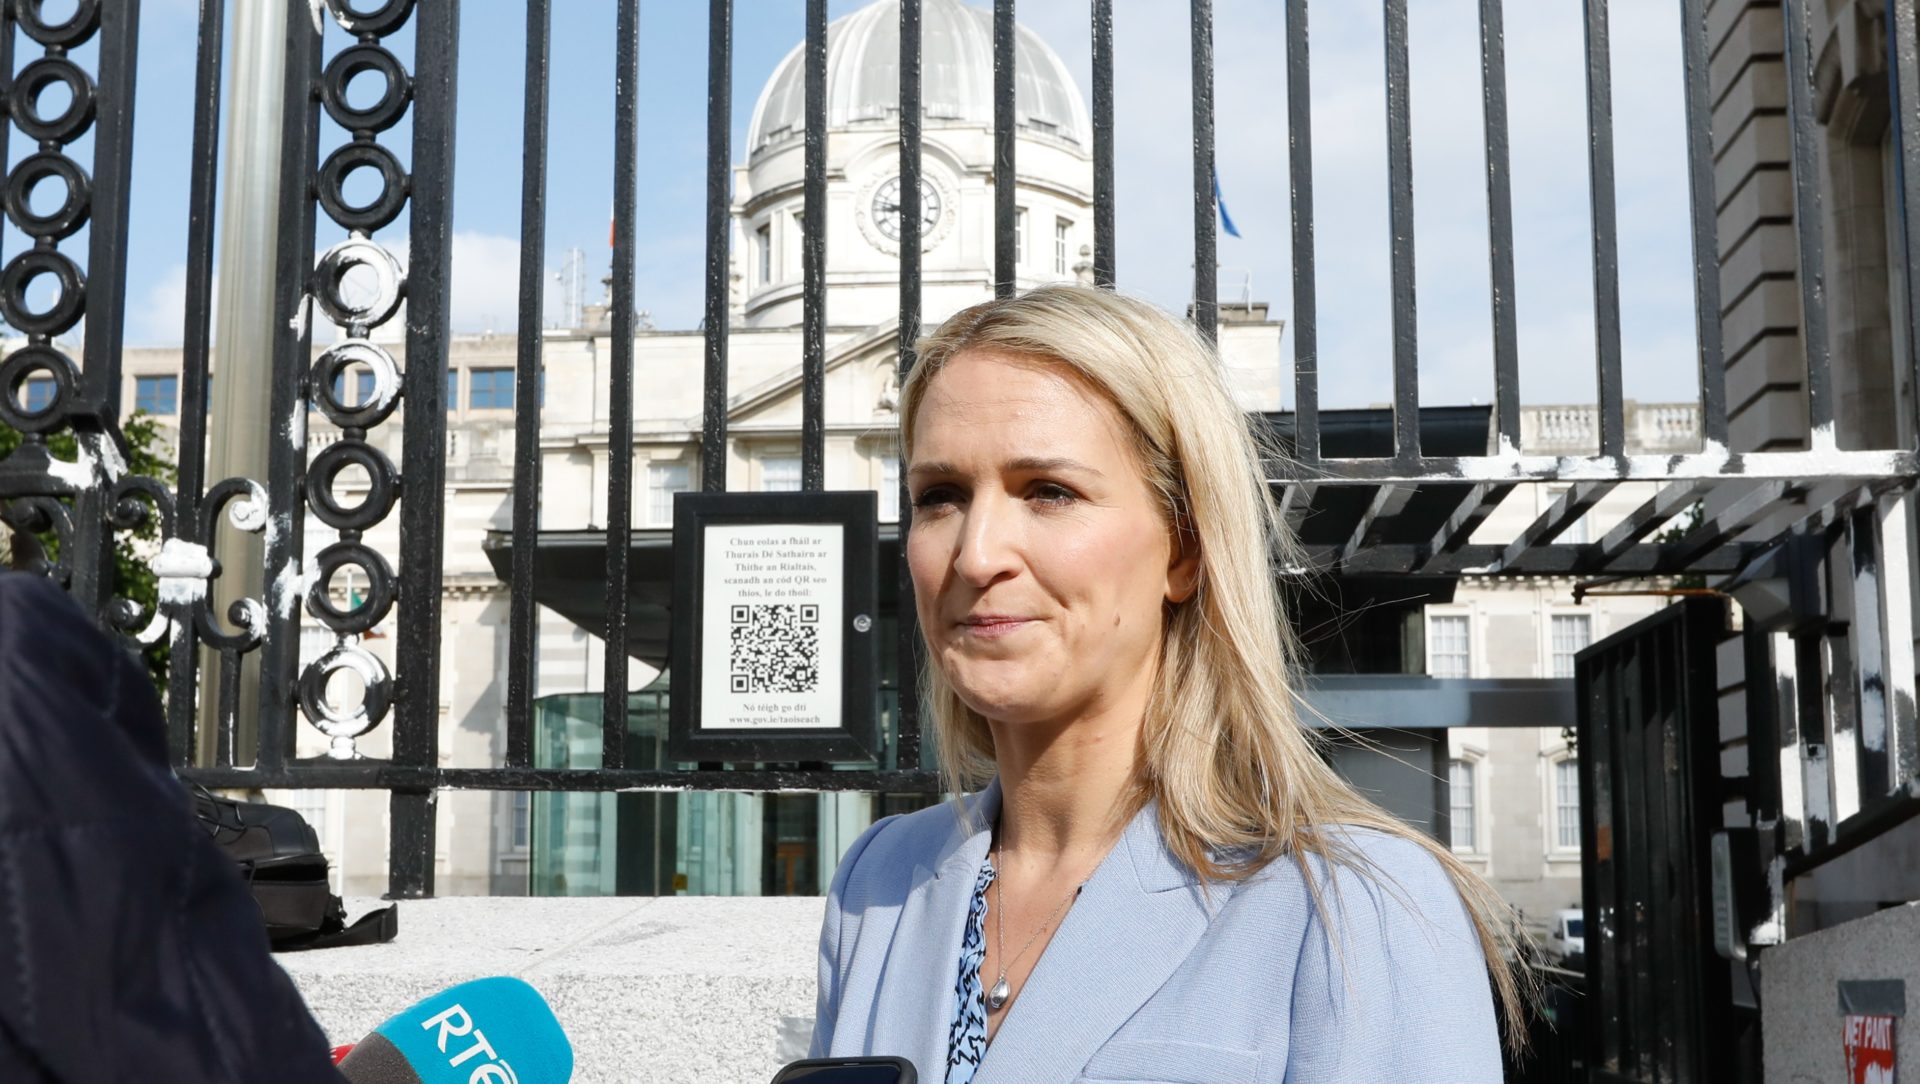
967, 1036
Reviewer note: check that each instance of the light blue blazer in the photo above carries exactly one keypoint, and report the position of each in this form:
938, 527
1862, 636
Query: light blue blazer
1150, 978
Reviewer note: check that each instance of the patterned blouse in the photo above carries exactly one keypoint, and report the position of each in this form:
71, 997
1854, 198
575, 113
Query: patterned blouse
967, 1036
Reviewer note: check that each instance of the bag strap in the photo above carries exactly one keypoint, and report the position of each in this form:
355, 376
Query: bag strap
372, 928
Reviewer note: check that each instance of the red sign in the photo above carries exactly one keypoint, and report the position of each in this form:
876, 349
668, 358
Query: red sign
1869, 1044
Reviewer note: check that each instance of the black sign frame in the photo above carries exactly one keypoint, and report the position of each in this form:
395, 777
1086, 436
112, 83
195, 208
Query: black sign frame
857, 738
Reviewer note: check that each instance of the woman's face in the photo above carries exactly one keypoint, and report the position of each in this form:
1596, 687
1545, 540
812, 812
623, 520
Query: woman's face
1040, 556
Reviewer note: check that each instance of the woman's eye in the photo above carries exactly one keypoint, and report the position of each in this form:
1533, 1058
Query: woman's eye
935, 497
1053, 494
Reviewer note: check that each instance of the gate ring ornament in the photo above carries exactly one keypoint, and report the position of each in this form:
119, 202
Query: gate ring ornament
382, 483
77, 28
17, 369
373, 606
339, 724
20, 273
332, 186
342, 258
384, 396
379, 22
74, 209
25, 95
355, 60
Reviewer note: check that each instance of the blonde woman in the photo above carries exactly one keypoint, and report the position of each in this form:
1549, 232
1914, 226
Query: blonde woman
1159, 879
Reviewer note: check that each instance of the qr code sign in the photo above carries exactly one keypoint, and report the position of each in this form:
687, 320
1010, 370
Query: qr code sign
775, 649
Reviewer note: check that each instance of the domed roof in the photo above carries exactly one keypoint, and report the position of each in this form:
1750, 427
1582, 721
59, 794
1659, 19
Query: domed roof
956, 76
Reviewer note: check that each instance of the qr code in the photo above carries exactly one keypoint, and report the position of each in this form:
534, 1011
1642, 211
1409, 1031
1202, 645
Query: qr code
776, 649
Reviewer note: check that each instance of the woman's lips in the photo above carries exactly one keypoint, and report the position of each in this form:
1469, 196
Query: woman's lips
994, 626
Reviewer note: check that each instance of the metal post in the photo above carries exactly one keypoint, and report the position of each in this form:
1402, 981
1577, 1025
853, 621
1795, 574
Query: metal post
239, 422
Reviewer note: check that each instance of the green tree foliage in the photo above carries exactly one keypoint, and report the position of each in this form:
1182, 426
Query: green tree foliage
146, 457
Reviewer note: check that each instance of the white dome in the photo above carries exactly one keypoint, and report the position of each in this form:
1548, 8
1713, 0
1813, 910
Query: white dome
956, 77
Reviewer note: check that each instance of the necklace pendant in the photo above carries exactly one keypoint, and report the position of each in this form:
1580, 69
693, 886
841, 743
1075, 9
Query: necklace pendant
998, 996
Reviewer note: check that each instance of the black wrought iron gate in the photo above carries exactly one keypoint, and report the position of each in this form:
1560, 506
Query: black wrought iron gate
1659, 1005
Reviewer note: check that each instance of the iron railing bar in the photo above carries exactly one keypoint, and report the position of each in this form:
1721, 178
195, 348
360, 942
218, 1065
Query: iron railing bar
1809, 230
1868, 654
813, 254
377, 776
522, 612
106, 274
1206, 241
1790, 751
1697, 79
1406, 324
1473, 509
906, 640
1750, 466
1563, 513
1669, 501
1903, 61
1005, 265
7, 29
416, 735
1388, 501
1843, 725
626, 151
1306, 361
1727, 523
88, 554
1103, 195
1506, 333
196, 343
713, 439
1816, 777
1606, 254
1894, 513
286, 450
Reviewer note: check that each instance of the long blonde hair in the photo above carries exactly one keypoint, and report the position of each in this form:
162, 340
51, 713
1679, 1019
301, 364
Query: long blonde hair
1239, 781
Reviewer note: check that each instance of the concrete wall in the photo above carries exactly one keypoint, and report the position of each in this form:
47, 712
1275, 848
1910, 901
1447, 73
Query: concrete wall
1799, 1002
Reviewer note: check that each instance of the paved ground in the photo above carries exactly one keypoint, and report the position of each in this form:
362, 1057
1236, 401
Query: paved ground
705, 989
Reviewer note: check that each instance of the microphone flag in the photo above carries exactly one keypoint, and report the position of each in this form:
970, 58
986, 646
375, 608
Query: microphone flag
489, 1031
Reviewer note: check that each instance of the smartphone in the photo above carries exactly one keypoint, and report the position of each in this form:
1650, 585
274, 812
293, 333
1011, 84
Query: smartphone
848, 1071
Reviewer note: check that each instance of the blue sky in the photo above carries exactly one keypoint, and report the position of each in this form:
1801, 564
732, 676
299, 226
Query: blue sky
1546, 87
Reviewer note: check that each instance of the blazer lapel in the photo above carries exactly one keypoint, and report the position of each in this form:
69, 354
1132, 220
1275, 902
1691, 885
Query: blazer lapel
914, 1002
1137, 918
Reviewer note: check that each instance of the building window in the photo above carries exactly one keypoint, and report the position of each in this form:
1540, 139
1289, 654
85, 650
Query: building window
362, 387
490, 389
663, 481
1571, 634
780, 474
453, 389
1576, 532
521, 827
157, 394
763, 241
1019, 235
1060, 228
1449, 646
890, 489
36, 395
1566, 804
1460, 803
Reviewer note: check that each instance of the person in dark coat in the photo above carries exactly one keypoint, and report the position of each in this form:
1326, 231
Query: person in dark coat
130, 949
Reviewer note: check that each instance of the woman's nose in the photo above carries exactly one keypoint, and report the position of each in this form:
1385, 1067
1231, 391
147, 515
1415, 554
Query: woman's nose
988, 548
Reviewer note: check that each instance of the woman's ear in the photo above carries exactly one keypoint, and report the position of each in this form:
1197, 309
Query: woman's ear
1183, 568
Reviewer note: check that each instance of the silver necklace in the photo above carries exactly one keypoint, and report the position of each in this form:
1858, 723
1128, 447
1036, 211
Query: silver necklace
1000, 993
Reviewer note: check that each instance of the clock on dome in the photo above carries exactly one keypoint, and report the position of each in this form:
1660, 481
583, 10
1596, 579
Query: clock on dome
886, 211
